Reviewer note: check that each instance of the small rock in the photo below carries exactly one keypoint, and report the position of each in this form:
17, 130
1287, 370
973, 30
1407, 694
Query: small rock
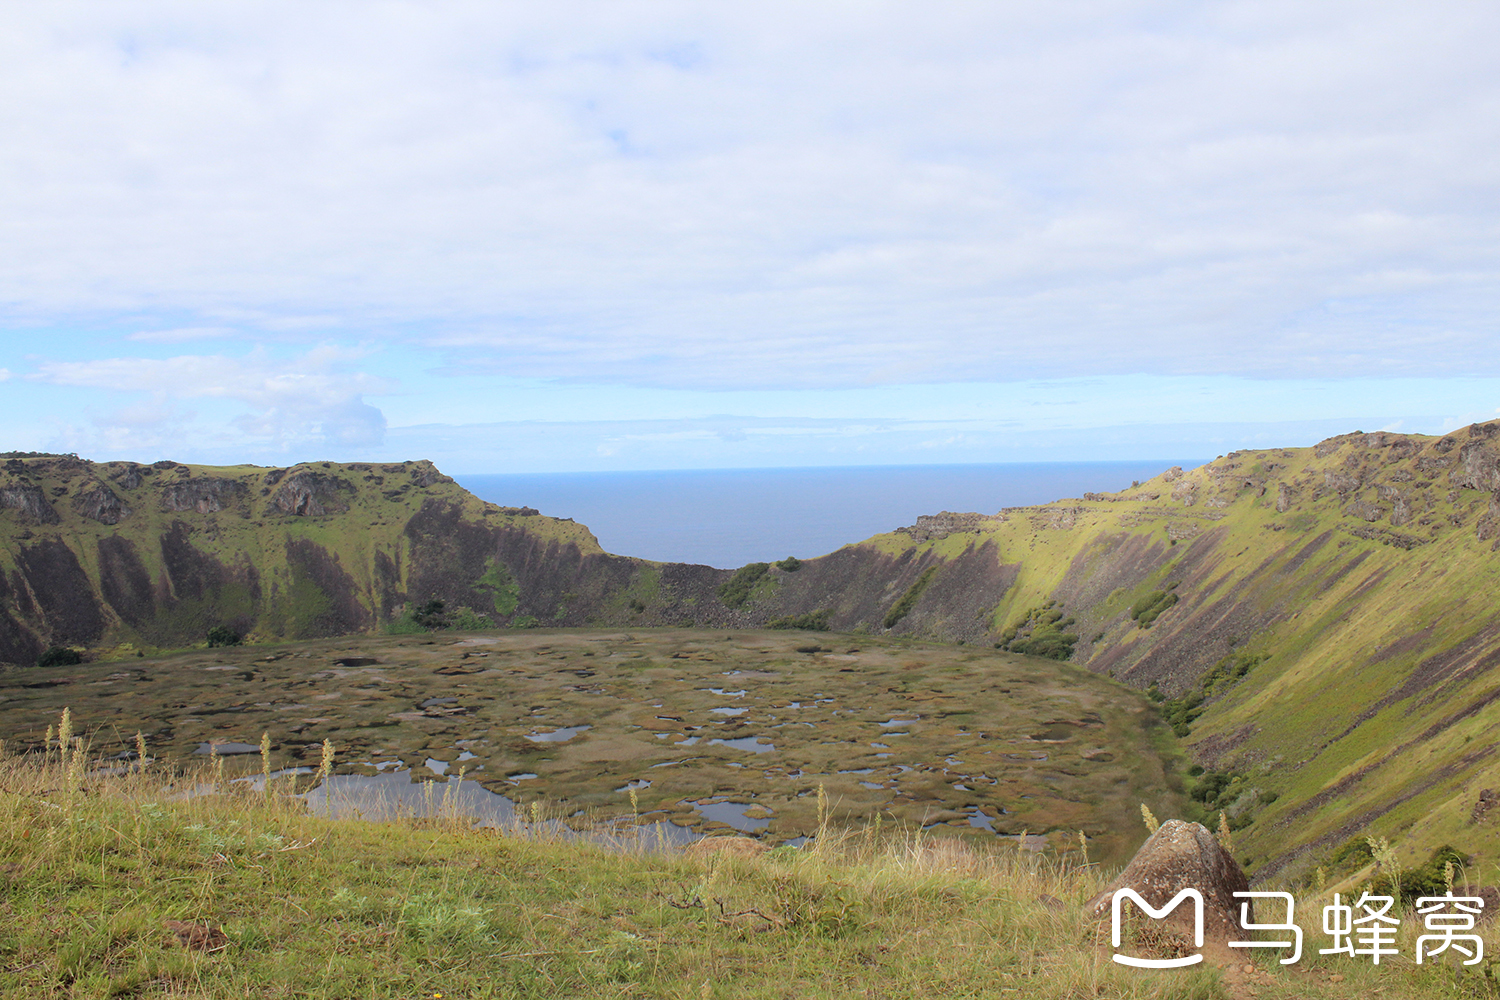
197, 936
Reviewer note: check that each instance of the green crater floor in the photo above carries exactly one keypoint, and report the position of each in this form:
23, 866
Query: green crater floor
916, 733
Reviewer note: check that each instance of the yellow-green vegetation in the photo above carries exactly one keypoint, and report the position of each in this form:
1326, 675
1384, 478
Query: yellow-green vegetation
813, 621
1332, 634
1042, 632
1319, 622
927, 734
746, 580
129, 886
908, 600
1145, 611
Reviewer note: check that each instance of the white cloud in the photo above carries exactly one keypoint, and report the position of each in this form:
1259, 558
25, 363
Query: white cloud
4, 374
773, 194
308, 401
182, 334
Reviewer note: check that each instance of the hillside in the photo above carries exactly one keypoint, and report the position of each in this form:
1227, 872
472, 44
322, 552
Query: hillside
1319, 623
128, 557
1334, 608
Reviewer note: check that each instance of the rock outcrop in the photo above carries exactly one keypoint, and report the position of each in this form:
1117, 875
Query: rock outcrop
29, 500
311, 494
205, 496
99, 503
1182, 855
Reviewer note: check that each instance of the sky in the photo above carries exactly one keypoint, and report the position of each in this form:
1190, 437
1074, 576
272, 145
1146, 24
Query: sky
580, 236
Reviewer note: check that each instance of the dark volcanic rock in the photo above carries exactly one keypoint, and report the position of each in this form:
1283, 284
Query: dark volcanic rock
124, 582
205, 496
30, 500
129, 477
100, 504
311, 494
1479, 466
63, 594
1365, 511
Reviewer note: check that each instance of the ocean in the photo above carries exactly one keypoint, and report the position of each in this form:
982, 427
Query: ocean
730, 517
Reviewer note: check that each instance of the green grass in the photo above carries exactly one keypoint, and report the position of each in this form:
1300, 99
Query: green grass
318, 908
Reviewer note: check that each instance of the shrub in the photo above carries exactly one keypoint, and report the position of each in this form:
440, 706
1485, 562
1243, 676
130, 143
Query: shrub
790, 564
223, 635
59, 656
1351, 855
1147, 609
1041, 633
1427, 879
1230, 669
430, 615
468, 620
908, 600
813, 621
524, 621
736, 592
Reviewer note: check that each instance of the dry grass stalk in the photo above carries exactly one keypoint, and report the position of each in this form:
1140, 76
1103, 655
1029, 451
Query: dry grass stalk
1225, 835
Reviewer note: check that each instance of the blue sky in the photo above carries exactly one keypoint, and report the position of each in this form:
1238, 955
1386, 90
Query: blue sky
578, 236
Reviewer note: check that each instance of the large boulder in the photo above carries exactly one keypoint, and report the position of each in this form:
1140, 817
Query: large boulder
1182, 855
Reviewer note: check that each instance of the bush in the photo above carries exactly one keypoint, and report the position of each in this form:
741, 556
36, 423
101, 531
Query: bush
813, 621
1041, 633
1147, 609
59, 656
1210, 787
223, 635
908, 600
790, 564
1427, 879
468, 620
430, 615
1351, 855
1230, 669
736, 592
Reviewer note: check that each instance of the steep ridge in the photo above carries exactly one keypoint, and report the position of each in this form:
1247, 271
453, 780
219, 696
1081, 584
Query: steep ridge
1320, 623
1334, 608
118, 555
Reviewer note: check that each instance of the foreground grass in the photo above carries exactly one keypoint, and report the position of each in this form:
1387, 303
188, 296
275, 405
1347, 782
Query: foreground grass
90, 869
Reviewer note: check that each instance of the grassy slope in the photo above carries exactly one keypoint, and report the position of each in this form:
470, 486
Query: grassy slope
1349, 610
323, 908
